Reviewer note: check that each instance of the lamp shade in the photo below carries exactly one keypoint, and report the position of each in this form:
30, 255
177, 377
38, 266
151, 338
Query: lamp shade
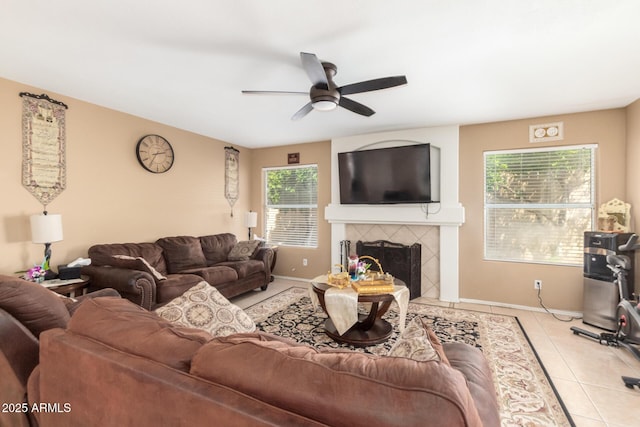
251, 219
46, 228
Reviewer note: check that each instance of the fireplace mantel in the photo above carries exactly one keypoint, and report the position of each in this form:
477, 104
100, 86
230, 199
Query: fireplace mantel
432, 214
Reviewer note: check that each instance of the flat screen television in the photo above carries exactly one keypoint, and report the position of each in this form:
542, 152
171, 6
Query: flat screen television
389, 175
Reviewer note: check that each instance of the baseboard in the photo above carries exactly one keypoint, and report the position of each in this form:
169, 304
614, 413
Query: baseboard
297, 279
576, 314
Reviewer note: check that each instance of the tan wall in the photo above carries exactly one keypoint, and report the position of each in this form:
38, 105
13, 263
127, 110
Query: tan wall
512, 283
633, 174
290, 258
109, 197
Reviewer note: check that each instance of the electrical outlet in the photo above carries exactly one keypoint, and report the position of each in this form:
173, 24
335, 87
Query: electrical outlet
304, 262
537, 284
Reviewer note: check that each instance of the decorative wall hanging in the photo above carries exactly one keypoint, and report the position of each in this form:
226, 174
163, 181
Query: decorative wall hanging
44, 169
615, 215
231, 175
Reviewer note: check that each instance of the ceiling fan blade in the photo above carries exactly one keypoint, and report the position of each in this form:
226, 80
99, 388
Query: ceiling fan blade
302, 112
314, 68
273, 92
375, 84
356, 107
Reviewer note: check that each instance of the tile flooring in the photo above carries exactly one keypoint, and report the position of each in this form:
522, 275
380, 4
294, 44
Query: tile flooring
585, 373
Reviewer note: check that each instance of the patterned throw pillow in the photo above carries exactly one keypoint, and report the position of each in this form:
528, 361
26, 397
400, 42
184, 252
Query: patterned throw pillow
203, 307
137, 263
242, 251
418, 342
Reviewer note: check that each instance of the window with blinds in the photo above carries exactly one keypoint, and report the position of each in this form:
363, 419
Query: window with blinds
291, 209
538, 204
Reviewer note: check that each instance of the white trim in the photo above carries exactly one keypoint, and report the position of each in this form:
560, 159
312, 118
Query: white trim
548, 148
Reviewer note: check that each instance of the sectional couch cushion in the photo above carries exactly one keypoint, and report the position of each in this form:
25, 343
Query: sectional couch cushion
109, 320
216, 247
361, 382
182, 253
244, 268
36, 307
203, 307
215, 274
152, 253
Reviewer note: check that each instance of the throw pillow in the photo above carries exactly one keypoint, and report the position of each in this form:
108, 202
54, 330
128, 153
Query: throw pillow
203, 307
243, 250
418, 342
137, 263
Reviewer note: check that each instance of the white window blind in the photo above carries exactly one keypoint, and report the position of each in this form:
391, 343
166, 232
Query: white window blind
539, 203
291, 196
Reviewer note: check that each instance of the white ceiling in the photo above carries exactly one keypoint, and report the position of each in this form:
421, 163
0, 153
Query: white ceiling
185, 63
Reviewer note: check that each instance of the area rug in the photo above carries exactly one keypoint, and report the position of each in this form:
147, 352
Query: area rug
526, 395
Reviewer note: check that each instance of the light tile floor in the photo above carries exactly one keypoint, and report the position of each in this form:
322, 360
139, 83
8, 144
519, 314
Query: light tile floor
585, 373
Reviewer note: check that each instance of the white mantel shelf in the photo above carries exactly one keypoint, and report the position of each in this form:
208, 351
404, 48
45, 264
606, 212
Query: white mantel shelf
395, 214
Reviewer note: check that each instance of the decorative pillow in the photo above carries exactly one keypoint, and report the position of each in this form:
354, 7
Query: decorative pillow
418, 342
243, 250
137, 263
203, 307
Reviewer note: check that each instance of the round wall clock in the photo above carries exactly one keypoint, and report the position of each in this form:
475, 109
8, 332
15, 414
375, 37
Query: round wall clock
154, 153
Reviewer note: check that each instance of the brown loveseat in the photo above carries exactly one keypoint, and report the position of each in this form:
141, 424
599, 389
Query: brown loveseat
152, 274
117, 364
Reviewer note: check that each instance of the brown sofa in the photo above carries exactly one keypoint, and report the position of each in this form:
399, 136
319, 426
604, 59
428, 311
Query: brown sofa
26, 310
118, 364
174, 264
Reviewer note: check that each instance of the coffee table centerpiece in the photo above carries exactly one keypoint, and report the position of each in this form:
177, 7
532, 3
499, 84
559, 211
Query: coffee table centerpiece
361, 278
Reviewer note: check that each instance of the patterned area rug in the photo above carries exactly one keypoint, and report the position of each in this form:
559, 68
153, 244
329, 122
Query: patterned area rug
525, 393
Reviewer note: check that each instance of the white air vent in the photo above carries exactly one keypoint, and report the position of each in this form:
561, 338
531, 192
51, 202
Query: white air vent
546, 132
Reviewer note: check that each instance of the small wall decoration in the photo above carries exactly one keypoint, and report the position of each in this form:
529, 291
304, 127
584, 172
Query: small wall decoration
615, 215
44, 169
231, 175
293, 158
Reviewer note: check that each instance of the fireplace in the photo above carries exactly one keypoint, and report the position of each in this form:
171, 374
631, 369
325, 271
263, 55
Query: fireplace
434, 226
401, 261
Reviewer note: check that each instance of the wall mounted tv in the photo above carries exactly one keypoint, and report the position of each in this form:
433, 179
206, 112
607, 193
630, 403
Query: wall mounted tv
405, 174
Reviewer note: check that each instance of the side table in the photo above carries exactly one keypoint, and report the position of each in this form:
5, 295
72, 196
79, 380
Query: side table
68, 287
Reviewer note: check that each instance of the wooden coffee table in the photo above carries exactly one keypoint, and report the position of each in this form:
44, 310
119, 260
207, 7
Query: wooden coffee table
370, 328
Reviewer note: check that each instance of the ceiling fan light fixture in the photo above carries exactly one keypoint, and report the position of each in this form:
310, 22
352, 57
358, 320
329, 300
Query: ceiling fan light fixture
324, 105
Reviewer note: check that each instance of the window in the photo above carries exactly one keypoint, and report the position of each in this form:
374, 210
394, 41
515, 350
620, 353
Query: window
291, 197
538, 204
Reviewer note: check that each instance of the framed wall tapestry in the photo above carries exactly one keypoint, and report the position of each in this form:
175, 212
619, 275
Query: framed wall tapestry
44, 169
231, 175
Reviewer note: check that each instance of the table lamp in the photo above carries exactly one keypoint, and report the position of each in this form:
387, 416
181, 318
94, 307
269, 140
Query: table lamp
46, 229
250, 221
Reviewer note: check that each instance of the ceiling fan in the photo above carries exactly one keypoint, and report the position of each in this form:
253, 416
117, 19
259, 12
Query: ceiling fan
326, 95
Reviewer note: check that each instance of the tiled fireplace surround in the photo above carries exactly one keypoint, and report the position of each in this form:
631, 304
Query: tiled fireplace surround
427, 236
434, 226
